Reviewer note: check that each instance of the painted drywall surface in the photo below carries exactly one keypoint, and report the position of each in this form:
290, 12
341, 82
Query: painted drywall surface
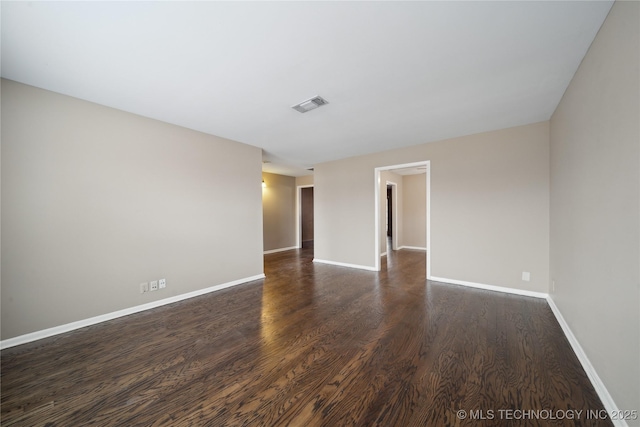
595, 197
96, 201
387, 176
304, 180
489, 206
415, 211
343, 231
279, 211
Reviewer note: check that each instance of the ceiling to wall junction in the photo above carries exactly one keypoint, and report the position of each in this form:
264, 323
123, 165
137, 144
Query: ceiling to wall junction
394, 73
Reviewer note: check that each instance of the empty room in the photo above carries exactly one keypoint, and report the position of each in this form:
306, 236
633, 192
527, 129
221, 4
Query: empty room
389, 213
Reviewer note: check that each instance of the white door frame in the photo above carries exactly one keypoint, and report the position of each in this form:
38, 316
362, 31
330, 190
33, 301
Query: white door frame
299, 213
377, 171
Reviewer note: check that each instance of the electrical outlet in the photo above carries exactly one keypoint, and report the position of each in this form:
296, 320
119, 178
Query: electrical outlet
526, 276
153, 285
162, 283
144, 287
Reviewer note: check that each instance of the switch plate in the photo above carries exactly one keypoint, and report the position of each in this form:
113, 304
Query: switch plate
144, 287
162, 283
526, 276
153, 285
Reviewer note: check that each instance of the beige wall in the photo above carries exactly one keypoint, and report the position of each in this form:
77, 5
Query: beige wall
595, 196
96, 201
304, 180
415, 211
489, 206
279, 211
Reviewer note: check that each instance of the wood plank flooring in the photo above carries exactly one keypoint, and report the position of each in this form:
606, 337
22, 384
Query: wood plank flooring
311, 345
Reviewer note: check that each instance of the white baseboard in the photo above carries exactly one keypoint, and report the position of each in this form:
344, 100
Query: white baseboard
344, 264
597, 383
56, 330
273, 251
491, 287
415, 248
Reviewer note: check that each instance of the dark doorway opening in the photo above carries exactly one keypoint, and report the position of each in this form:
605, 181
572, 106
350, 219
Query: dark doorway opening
306, 216
389, 211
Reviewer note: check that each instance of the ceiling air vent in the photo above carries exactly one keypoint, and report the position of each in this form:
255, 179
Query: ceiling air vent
310, 104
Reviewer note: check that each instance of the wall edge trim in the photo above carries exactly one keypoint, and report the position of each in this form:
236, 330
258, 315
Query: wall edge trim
503, 289
344, 264
273, 251
68, 327
608, 402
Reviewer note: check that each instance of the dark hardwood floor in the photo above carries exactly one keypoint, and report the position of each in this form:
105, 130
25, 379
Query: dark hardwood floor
311, 345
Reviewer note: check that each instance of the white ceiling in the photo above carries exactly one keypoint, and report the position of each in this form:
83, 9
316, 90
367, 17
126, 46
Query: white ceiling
395, 73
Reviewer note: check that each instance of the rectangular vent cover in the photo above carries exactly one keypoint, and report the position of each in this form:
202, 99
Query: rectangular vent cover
310, 104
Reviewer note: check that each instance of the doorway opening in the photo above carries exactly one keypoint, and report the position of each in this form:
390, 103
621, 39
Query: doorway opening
305, 234
380, 209
391, 219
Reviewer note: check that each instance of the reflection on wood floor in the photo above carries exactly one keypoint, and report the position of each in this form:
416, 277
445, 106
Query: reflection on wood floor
311, 345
